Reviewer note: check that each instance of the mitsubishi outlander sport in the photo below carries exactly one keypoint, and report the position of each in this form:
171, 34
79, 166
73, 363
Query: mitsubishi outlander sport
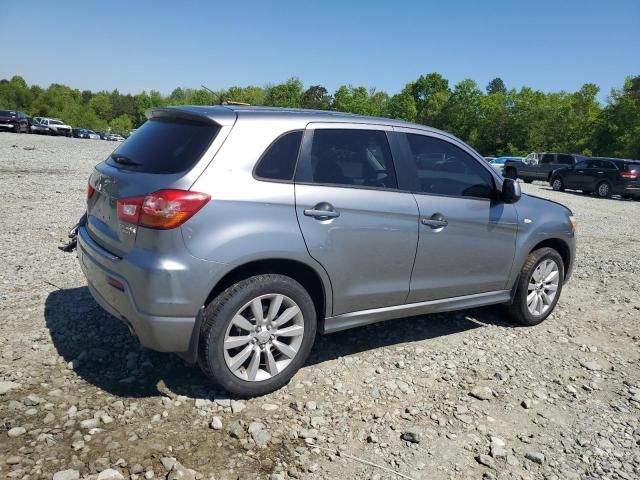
231, 235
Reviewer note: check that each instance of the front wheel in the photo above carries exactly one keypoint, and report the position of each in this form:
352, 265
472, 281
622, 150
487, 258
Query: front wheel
257, 334
539, 287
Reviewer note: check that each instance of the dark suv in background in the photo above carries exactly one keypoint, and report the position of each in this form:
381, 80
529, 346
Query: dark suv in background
13, 121
530, 171
604, 176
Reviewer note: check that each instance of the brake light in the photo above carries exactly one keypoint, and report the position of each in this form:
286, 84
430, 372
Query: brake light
629, 175
90, 191
163, 210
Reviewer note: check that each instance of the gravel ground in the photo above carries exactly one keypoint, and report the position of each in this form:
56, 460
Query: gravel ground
461, 395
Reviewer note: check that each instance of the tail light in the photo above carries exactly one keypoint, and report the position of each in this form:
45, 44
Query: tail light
162, 210
632, 175
90, 191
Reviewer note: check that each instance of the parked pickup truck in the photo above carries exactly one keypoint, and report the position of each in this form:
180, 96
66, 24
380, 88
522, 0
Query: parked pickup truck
529, 169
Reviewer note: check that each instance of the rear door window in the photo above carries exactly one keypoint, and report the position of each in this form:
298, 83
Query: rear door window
547, 158
351, 157
164, 146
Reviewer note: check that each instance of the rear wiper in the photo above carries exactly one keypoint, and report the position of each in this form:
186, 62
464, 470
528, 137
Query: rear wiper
123, 160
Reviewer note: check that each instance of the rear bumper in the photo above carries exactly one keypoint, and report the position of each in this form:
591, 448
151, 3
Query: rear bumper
152, 302
627, 189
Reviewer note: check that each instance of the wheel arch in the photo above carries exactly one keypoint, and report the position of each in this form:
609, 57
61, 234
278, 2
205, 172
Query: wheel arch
315, 282
559, 246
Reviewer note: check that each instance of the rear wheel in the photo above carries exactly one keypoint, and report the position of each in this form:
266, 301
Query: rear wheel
603, 190
257, 334
539, 287
526, 180
557, 184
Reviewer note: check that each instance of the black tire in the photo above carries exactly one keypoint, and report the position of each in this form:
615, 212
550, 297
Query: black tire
603, 190
218, 315
557, 184
586, 192
518, 309
511, 173
526, 180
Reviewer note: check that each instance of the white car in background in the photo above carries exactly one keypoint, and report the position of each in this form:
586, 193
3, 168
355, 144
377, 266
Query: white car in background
55, 125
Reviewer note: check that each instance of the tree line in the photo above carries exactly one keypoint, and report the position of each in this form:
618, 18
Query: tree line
495, 120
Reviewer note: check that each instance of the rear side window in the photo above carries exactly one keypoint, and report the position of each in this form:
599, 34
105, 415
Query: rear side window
279, 160
547, 158
445, 169
164, 146
352, 157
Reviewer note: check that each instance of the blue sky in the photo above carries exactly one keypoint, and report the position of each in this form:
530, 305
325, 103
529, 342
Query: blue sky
131, 46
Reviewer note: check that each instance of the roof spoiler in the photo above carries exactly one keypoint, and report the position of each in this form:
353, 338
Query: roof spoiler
218, 115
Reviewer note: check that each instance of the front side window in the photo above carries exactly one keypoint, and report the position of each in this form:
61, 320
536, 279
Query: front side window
445, 169
360, 158
279, 160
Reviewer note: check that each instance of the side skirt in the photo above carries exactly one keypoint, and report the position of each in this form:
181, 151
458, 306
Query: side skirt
365, 317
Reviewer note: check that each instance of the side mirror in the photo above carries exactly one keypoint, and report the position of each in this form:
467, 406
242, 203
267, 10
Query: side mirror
511, 192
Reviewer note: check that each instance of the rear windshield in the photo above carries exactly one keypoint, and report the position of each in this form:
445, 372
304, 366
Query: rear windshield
632, 167
164, 145
7, 113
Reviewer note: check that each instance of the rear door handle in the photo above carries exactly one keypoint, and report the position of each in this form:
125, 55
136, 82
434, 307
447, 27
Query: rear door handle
322, 211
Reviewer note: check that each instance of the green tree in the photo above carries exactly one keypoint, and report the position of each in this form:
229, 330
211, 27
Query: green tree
121, 125
288, 94
316, 97
403, 107
496, 86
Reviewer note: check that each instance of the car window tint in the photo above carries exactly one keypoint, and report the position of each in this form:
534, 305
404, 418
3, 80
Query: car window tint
352, 157
279, 160
582, 165
445, 169
547, 158
565, 159
164, 146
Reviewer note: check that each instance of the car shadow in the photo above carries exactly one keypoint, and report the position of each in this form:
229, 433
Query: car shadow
100, 349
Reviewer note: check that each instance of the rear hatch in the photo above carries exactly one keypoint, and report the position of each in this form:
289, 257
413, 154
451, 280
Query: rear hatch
159, 155
630, 174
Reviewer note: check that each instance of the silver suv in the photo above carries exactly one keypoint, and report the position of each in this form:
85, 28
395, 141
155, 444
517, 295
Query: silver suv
231, 235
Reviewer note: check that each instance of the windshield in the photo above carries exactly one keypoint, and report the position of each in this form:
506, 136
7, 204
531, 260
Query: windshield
56, 122
7, 113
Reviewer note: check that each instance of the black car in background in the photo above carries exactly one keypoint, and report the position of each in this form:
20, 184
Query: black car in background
13, 121
604, 176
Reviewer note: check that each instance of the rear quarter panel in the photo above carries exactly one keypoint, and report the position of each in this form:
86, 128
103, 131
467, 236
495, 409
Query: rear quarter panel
248, 219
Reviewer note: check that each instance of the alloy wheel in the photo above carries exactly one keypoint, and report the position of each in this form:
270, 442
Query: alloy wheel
543, 287
603, 190
263, 337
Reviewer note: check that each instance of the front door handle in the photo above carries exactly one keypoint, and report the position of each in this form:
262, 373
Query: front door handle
322, 211
437, 220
